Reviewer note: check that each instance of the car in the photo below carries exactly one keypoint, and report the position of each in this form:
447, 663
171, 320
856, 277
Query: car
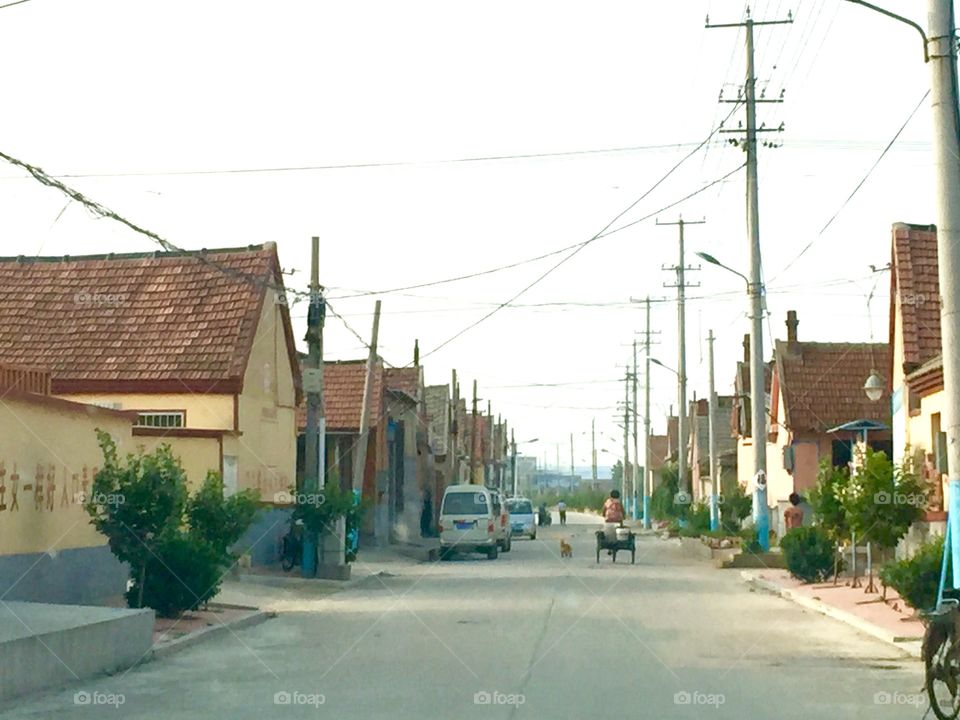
473, 518
523, 520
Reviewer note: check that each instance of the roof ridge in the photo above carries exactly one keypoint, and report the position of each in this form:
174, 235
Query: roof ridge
146, 255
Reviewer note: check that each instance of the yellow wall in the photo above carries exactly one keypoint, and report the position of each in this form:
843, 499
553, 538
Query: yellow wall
196, 455
918, 428
60, 446
267, 446
208, 412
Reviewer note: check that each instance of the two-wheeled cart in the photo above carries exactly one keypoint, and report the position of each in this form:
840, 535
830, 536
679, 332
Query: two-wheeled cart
624, 542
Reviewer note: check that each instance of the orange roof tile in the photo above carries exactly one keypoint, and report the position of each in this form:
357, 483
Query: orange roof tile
343, 395
822, 383
139, 322
915, 281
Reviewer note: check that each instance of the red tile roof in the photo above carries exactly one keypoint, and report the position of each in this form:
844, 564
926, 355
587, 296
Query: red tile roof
915, 282
822, 384
405, 380
343, 395
142, 322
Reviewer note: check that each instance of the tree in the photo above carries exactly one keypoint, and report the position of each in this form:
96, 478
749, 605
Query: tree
220, 521
827, 497
881, 502
617, 473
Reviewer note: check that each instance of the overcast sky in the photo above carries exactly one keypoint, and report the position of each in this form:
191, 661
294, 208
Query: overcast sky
135, 96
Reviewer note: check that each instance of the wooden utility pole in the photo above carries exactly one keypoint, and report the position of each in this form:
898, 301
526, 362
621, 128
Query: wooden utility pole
474, 428
454, 428
314, 437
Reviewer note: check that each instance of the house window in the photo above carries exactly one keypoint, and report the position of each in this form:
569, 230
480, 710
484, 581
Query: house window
175, 419
939, 440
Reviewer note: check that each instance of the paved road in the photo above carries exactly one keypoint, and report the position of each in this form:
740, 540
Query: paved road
527, 635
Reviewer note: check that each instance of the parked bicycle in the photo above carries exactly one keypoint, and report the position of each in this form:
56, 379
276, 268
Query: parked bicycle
291, 554
941, 648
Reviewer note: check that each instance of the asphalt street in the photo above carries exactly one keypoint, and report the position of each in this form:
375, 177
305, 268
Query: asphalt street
526, 635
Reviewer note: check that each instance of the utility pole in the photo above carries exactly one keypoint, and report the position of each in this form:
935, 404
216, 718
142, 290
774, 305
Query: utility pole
681, 285
626, 436
474, 431
755, 291
314, 450
454, 429
513, 463
639, 473
573, 472
714, 464
363, 441
946, 126
488, 468
647, 480
593, 452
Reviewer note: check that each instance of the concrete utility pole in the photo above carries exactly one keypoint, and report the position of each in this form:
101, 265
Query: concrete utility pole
647, 480
489, 457
474, 432
314, 450
626, 437
714, 464
513, 463
593, 452
639, 472
681, 285
363, 441
946, 142
758, 425
454, 429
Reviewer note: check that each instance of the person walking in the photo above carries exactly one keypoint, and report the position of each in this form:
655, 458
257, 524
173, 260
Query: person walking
562, 509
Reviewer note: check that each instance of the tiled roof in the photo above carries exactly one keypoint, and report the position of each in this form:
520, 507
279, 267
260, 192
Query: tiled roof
405, 380
822, 384
129, 322
916, 283
343, 395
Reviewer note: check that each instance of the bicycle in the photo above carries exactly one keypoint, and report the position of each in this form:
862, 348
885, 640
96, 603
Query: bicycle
291, 553
941, 648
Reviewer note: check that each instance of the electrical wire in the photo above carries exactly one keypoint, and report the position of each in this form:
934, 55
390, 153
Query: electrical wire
857, 188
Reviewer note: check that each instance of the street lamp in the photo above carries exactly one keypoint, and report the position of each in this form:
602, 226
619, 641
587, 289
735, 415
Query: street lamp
665, 367
513, 461
758, 424
873, 387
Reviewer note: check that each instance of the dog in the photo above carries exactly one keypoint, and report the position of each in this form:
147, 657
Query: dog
566, 551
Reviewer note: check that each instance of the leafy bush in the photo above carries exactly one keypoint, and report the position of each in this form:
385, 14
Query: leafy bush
916, 580
176, 547
220, 521
698, 519
810, 553
826, 499
736, 506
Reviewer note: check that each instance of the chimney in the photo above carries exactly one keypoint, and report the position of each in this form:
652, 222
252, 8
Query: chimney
746, 349
416, 353
792, 323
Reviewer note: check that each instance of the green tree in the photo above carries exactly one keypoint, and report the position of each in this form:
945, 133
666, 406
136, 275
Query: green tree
827, 500
217, 520
135, 502
881, 502
617, 473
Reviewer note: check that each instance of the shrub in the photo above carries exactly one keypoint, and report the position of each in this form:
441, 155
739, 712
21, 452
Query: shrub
810, 553
736, 506
826, 499
176, 547
916, 580
322, 517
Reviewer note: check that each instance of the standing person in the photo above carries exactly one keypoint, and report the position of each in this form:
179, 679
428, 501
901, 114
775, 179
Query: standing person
426, 515
562, 509
793, 515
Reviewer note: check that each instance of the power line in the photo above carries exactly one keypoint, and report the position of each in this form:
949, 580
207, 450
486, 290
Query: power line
11, 4
857, 188
359, 166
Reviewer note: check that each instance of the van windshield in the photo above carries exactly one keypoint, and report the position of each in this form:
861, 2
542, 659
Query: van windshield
520, 507
465, 503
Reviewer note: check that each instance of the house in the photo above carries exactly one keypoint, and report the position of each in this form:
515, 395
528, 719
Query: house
815, 388
408, 450
49, 455
915, 365
702, 483
440, 436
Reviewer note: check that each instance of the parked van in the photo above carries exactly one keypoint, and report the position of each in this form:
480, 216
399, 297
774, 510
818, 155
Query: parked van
473, 518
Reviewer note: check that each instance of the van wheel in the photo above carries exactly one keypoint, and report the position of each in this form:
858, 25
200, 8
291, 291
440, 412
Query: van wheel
508, 544
446, 554
492, 553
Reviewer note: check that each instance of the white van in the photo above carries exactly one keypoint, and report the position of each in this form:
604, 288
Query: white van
473, 519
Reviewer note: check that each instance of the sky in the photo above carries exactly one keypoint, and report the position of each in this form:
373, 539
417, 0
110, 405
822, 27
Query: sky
368, 124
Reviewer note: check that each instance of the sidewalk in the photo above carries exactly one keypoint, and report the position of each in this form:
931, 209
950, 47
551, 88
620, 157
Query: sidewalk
891, 621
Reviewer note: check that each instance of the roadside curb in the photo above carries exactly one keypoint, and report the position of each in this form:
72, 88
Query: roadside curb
169, 647
909, 646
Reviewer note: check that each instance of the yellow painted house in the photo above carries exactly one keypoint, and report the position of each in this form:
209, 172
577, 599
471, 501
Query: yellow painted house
917, 401
198, 345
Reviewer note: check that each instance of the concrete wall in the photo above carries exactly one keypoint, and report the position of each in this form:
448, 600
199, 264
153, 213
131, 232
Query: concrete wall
48, 458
